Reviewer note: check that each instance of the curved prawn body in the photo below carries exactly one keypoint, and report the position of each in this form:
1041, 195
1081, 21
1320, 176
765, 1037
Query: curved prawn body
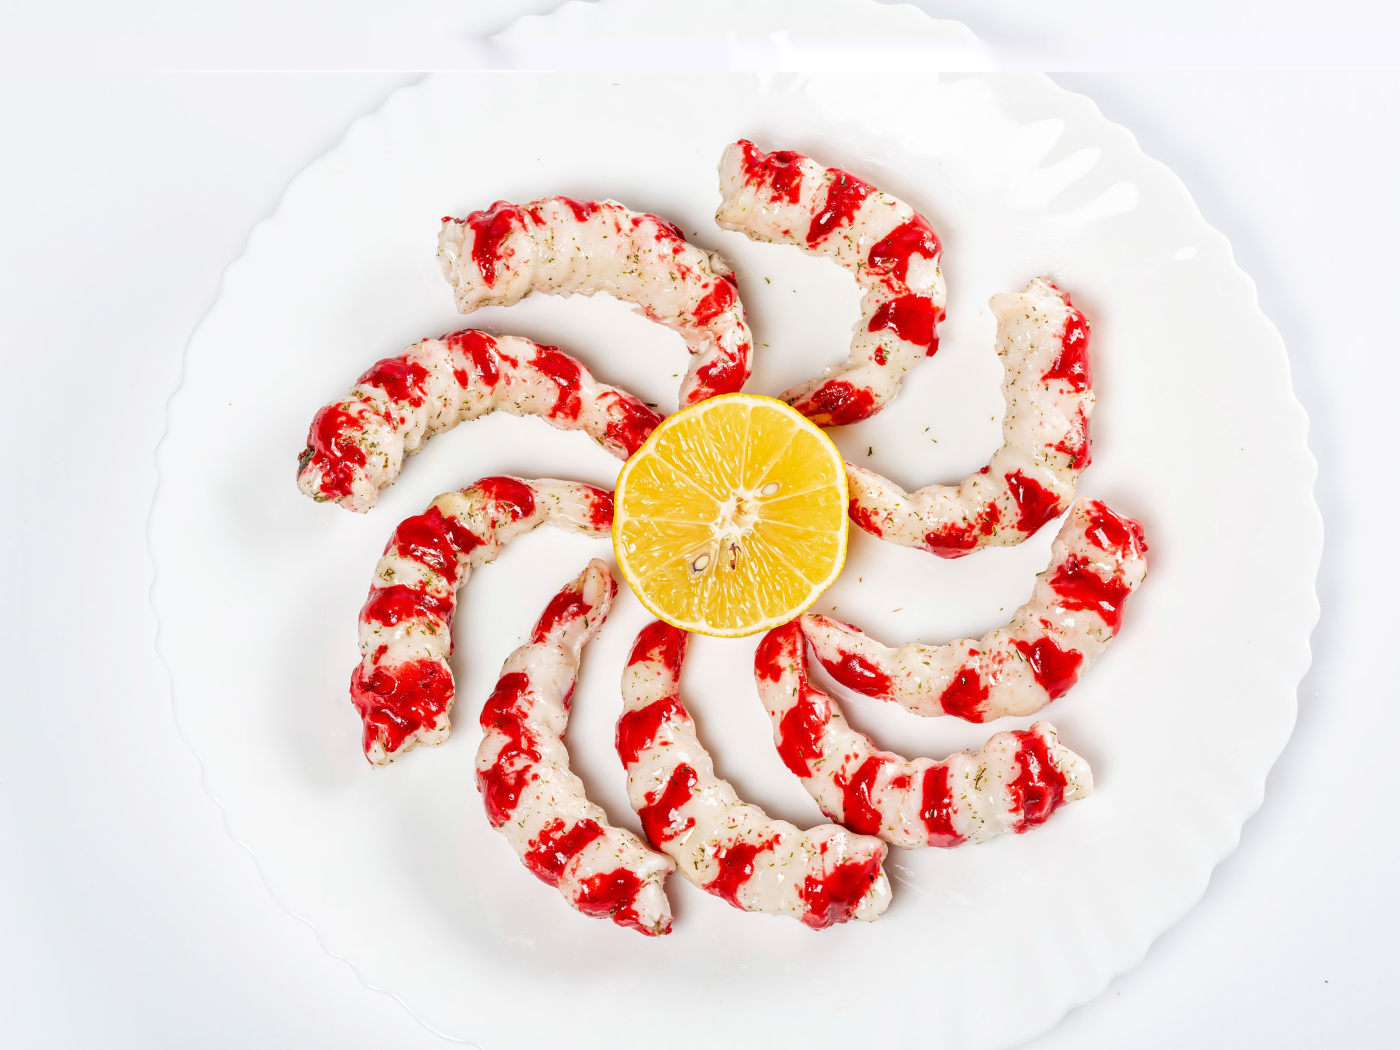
1043, 343
356, 446
530, 794
694, 820
1097, 560
1013, 783
890, 249
726, 846
562, 246
403, 686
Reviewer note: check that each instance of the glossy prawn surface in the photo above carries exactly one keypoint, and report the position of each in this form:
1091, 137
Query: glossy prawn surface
726, 846
1076, 608
403, 687
1013, 783
1043, 344
890, 249
563, 246
530, 794
357, 445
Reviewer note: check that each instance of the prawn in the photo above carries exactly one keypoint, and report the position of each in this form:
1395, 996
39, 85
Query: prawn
1076, 608
563, 246
403, 687
1013, 783
726, 846
530, 794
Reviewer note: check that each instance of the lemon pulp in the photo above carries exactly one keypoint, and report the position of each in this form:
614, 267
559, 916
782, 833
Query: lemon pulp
731, 517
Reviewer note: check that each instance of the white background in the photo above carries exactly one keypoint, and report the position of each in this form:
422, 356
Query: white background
128, 917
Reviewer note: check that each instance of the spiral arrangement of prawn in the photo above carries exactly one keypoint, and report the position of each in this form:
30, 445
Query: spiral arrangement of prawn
531, 795
357, 445
726, 846
889, 248
1043, 343
402, 687
1097, 560
1014, 782
562, 246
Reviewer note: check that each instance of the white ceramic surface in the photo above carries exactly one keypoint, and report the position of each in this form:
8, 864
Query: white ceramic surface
1197, 434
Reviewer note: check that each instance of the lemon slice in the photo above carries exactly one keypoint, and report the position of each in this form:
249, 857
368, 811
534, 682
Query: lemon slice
731, 518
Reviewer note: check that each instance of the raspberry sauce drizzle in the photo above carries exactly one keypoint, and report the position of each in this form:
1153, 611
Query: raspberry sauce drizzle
503, 782
400, 700
398, 377
966, 694
835, 897
735, 862
637, 731
1034, 501
1072, 364
490, 228
556, 845
912, 318
891, 256
660, 819
613, 895
328, 447
780, 171
856, 672
858, 812
434, 541
1039, 787
844, 196
1055, 669
394, 604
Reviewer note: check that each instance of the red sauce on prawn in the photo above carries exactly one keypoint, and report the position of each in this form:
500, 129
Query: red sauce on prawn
556, 845
328, 447
844, 196
1039, 787
1072, 364
479, 350
1078, 586
936, 806
1034, 501
837, 404
613, 895
433, 540
912, 318
397, 701
392, 605
502, 784
637, 730
399, 377
780, 171
835, 897
858, 673
516, 497
957, 539
629, 421
566, 605
858, 811
490, 228
566, 374
660, 819
1054, 668
735, 862
966, 694
891, 255
802, 729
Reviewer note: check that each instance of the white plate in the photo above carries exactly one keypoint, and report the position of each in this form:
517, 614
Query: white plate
1196, 433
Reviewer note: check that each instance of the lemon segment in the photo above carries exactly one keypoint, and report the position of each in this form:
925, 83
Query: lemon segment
731, 517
